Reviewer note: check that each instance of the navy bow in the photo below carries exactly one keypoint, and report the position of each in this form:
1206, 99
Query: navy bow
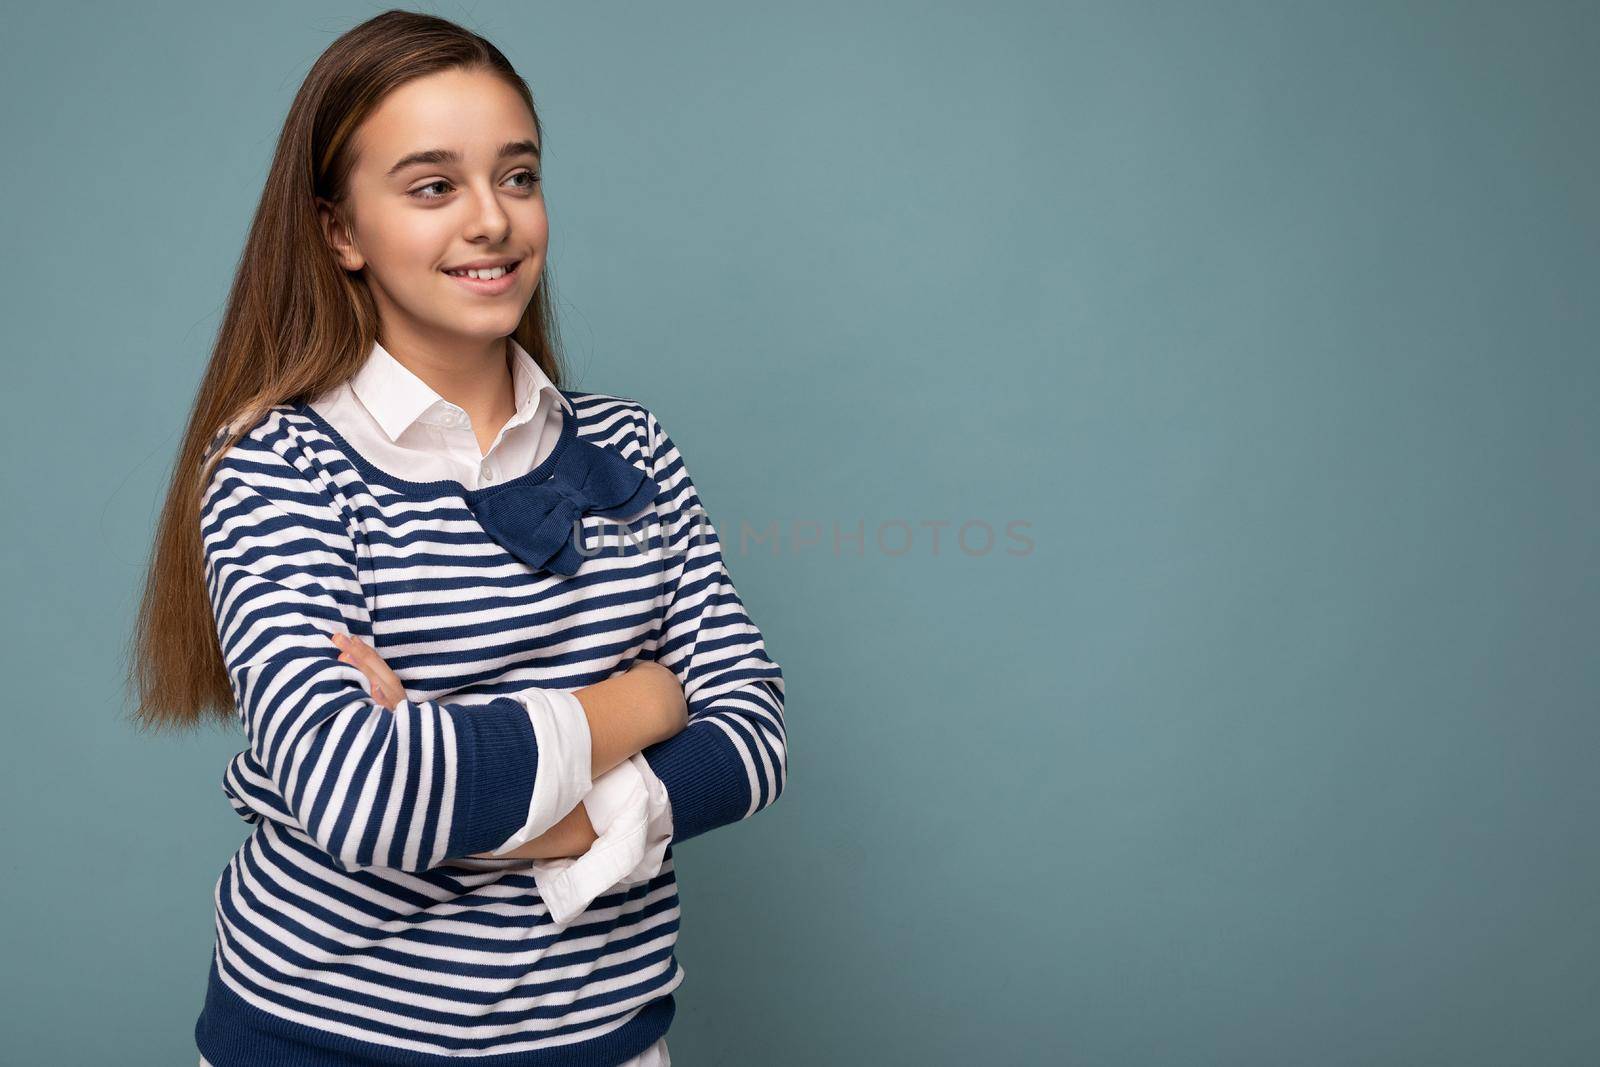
536, 521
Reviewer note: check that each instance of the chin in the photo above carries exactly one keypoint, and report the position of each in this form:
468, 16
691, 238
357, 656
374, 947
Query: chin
487, 323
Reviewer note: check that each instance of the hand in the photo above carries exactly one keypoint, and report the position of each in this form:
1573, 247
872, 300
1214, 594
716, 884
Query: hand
387, 689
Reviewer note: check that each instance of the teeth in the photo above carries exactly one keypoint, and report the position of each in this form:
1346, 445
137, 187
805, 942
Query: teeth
486, 275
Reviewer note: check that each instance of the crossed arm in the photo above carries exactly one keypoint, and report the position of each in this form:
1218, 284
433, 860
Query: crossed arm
627, 713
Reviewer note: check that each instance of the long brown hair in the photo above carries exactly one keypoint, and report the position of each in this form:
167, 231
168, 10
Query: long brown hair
296, 325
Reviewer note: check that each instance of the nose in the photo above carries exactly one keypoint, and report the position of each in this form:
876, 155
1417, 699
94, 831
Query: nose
490, 220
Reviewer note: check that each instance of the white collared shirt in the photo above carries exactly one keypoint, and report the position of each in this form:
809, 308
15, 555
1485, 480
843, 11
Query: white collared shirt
398, 422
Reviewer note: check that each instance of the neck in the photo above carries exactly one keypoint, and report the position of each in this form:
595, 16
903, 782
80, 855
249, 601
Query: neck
476, 376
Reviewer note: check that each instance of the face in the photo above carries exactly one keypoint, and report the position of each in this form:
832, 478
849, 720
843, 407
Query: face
410, 220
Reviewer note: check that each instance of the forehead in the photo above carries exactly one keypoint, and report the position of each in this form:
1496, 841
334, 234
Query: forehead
473, 113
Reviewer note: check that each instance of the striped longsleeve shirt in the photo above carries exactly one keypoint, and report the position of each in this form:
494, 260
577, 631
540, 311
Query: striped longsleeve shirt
355, 922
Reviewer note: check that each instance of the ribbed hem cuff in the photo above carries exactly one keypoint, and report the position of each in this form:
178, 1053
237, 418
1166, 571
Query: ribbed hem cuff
705, 779
232, 1032
497, 757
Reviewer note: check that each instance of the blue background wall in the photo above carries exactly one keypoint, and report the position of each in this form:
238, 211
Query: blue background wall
1274, 322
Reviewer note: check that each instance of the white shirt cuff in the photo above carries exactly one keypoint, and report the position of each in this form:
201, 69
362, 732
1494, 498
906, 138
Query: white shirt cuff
660, 802
561, 781
631, 814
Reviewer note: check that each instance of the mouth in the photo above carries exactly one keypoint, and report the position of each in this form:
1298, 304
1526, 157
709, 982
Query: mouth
486, 282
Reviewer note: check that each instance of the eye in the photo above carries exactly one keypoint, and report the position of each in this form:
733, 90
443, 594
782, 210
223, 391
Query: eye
421, 191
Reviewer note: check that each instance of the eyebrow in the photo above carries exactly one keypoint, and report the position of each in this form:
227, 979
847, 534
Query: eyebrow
449, 155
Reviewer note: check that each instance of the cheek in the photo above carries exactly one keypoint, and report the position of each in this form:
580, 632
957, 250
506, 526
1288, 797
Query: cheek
403, 247
534, 223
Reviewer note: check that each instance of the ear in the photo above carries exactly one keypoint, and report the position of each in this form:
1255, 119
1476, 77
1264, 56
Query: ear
338, 236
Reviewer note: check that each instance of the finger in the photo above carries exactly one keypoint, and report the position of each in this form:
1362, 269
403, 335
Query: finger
355, 647
368, 659
368, 671
377, 687
365, 658
348, 655
380, 678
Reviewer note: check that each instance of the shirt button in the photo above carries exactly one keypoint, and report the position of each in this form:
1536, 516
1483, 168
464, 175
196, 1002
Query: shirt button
488, 476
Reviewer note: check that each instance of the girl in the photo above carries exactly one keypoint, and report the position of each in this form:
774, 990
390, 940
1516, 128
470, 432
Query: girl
476, 628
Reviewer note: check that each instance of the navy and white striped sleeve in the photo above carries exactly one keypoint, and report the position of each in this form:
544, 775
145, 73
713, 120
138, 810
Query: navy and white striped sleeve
731, 761
405, 788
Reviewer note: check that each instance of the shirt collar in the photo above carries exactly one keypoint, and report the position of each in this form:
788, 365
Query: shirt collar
397, 398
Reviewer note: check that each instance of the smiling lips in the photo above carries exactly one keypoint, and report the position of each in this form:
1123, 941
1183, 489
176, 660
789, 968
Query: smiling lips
491, 282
